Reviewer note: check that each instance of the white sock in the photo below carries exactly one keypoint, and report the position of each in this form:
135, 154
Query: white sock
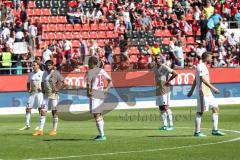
28, 118
55, 123
215, 121
42, 122
198, 123
170, 117
100, 126
164, 118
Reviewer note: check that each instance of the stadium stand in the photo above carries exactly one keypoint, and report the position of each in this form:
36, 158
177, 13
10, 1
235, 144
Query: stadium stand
179, 28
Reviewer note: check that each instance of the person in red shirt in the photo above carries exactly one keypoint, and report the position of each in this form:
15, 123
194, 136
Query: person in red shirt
121, 29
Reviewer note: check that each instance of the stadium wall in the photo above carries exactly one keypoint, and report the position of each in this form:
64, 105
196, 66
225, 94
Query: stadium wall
131, 90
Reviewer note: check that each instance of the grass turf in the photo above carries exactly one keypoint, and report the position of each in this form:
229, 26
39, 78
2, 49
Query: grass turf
131, 134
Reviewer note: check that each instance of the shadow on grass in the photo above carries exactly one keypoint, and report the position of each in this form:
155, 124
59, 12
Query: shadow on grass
170, 136
133, 129
67, 139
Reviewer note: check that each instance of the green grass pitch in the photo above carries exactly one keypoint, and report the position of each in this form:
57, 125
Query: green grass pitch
131, 134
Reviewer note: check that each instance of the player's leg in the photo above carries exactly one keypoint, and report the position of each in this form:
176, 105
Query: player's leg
163, 112
161, 103
215, 111
30, 104
39, 106
201, 105
53, 104
169, 112
100, 126
42, 120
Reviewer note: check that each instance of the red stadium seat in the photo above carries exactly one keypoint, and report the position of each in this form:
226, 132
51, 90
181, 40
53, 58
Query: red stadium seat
61, 27
45, 12
85, 27
44, 27
166, 40
93, 35
59, 35
133, 58
101, 42
44, 19
101, 34
76, 35
37, 12
77, 27
103, 27
51, 35
111, 34
110, 26
133, 50
53, 19
85, 35
69, 27
62, 19
75, 43
94, 27
29, 12
31, 4
68, 35
52, 27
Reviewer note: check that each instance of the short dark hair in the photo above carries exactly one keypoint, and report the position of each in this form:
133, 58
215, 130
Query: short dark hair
205, 55
37, 61
93, 61
49, 62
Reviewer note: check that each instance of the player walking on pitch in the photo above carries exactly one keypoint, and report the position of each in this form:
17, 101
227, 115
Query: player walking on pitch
35, 89
95, 90
53, 81
205, 98
163, 79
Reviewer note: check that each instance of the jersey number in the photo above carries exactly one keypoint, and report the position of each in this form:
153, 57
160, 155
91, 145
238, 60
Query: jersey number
100, 80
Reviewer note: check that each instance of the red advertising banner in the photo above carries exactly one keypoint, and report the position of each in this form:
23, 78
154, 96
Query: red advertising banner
126, 79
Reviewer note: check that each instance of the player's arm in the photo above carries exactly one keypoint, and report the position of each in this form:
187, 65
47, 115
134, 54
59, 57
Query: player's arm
89, 86
215, 90
60, 84
192, 88
28, 87
174, 74
109, 81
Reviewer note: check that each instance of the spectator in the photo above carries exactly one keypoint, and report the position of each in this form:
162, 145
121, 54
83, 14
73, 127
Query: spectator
208, 10
32, 33
67, 49
146, 22
203, 27
71, 16
126, 18
25, 3
209, 40
108, 52
16, 4
156, 50
179, 60
23, 14
6, 60
47, 54
83, 50
197, 13
19, 32
237, 17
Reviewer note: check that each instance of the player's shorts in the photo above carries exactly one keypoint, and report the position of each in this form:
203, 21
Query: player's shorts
35, 100
50, 104
163, 99
96, 105
205, 102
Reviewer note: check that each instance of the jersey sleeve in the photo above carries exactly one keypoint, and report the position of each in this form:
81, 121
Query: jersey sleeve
200, 71
168, 69
106, 76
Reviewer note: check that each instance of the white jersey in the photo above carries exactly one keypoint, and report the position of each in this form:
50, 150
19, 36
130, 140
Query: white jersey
202, 71
162, 74
96, 77
35, 80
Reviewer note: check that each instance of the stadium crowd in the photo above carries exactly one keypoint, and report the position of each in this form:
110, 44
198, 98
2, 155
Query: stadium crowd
138, 25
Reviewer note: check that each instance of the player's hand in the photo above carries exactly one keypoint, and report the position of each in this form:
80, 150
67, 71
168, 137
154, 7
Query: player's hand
167, 84
189, 94
105, 91
216, 91
89, 94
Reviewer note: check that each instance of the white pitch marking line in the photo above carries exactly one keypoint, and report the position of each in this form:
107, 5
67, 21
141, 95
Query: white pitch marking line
148, 150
